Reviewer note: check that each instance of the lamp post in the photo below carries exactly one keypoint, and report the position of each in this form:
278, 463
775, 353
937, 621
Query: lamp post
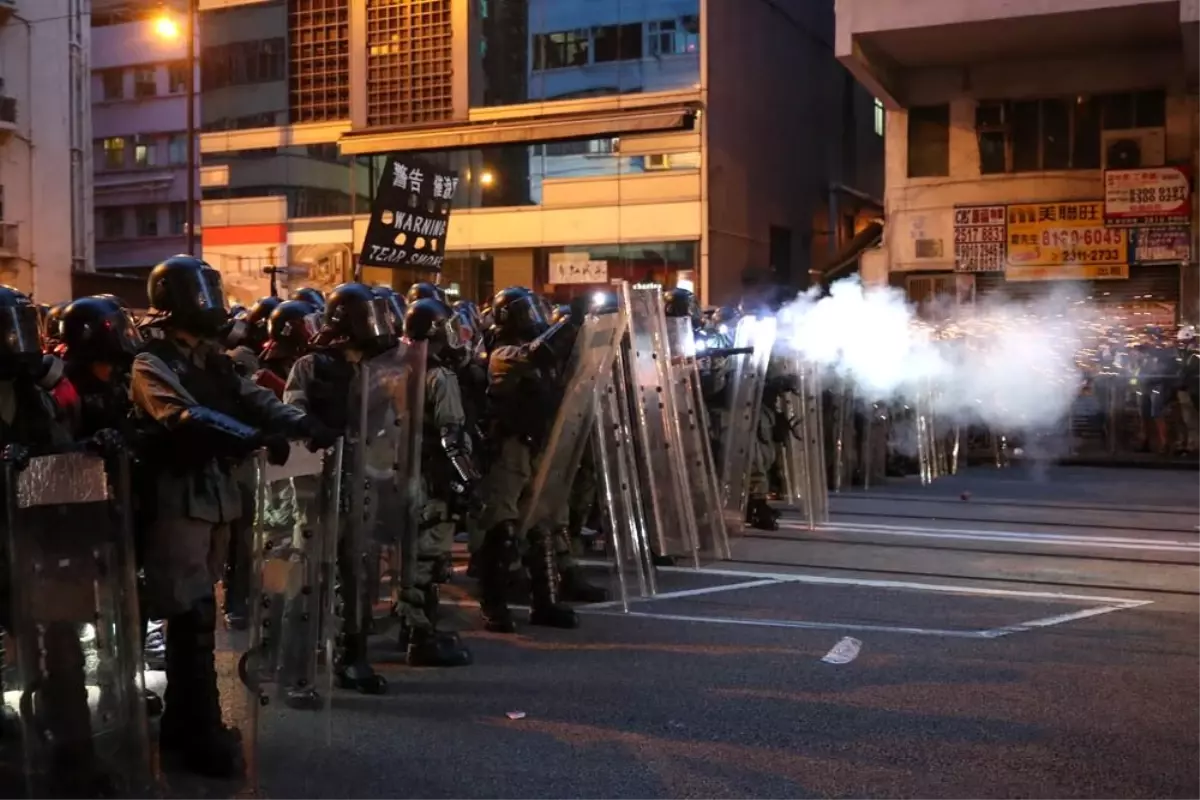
167, 27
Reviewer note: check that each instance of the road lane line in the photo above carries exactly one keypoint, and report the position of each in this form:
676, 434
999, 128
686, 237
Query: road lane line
1048, 622
1053, 539
725, 587
791, 624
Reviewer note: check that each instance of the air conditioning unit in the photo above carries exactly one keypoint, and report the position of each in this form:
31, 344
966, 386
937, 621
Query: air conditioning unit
1134, 147
660, 161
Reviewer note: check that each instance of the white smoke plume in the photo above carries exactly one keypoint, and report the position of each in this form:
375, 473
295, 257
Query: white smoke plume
1011, 366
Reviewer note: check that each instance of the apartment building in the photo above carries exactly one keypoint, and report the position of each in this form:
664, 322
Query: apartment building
45, 163
1032, 143
679, 141
139, 129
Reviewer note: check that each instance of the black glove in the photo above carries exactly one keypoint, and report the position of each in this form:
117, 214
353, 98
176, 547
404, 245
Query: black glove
579, 310
108, 442
320, 436
278, 449
17, 455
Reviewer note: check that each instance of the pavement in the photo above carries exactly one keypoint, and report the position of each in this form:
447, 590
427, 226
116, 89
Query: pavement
1027, 632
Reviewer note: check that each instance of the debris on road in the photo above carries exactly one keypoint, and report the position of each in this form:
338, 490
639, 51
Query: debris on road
844, 651
515, 715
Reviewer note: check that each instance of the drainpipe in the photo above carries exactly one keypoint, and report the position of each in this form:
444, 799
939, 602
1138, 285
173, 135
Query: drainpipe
29, 146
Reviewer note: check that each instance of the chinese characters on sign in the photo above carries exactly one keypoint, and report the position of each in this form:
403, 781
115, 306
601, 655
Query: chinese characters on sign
1162, 245
1064, 241
410, 215
576, 268
1151, 196
979, 238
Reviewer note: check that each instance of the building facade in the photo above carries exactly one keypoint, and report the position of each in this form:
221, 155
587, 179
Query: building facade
45, 161
668, 140
1032, 143
139, 130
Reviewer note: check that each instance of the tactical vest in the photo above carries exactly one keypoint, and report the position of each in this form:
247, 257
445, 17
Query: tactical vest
216, 385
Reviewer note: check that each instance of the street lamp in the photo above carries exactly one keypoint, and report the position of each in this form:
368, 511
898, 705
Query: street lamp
167, 27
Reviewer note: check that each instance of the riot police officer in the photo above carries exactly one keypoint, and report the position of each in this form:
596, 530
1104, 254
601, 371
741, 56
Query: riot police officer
311, 296
290, 332
246, 346
356, 327
426, 290
523, 396
200, 418
396, 304
448, 481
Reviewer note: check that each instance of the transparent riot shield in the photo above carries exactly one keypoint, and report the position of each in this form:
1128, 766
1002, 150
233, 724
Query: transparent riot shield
73, 678
398, 392
803, 451
692, 426
590, 361
289, 669
620, 488
659, 438
747, 376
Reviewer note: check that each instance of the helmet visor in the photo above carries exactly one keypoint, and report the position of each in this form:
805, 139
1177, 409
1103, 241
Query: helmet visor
374, 323
20, 333
125, 334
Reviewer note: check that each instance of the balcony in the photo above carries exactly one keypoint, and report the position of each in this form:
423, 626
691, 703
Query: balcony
907, 51
7, 9
8, 115
8, 237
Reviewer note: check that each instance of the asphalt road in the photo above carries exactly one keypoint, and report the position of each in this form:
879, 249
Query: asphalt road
1037, 639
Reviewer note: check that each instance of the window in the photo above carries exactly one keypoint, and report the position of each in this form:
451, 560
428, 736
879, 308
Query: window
144, 154
241, 63
145, 82
147, 220
929, 141
113, 81
617, 43
177, 149
563, 49
1049, 134
177, 75
672, 37
177, 219
879, 117
581, 147
1133, 110
114, 153
111, 223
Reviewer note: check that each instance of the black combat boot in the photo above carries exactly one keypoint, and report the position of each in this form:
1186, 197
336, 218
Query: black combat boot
352, 669
574, 587
761, 516
494, 557
192, 730
544, 606
430, 647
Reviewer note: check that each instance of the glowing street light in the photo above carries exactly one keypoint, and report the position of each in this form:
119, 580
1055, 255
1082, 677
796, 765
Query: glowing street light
167, 27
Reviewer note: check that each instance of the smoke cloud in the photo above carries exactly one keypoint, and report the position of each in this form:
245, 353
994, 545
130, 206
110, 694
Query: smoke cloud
1006, 364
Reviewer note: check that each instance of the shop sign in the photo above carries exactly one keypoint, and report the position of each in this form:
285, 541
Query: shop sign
1162, 245
409, 216
979, 238
1148, 196
576, 268
1064, 241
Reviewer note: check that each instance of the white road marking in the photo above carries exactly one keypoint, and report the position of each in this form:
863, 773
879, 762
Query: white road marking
793, 624
822, 580
1047, 622
725, 587
1053, 539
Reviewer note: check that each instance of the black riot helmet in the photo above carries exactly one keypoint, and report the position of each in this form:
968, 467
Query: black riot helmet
256, 320
99, 329
311, 296
186, 293
354, 316
428, 320
681, 303
517, 313
425, 289
395, 304
52, 324
292, 323
20, 334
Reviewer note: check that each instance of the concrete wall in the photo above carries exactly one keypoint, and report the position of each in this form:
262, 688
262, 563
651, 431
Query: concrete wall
35, 162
